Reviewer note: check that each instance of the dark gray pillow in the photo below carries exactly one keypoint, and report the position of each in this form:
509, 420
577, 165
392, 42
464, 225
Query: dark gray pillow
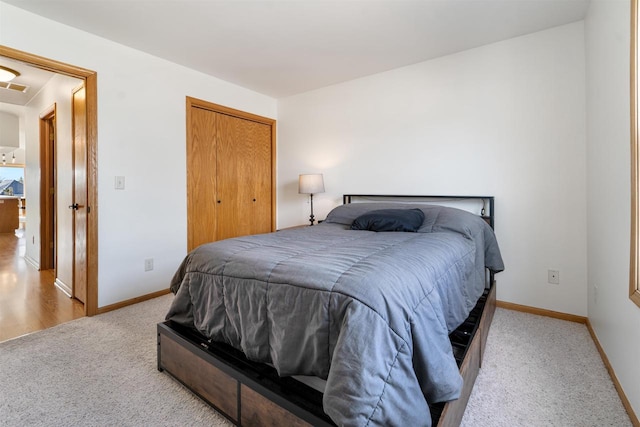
389, 220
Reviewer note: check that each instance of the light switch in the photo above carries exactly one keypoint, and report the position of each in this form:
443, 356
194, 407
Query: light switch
119, 185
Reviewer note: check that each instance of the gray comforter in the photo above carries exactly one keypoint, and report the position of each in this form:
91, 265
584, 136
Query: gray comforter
369, 312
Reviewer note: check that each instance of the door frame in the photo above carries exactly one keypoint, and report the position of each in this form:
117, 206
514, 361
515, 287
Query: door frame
91, 83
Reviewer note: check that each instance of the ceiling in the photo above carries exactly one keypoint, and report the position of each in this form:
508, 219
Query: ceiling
33, 78
281, 48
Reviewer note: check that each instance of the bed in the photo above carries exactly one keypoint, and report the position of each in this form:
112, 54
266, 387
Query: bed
393, 324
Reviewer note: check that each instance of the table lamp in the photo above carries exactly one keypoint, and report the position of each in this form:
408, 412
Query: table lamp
311, 184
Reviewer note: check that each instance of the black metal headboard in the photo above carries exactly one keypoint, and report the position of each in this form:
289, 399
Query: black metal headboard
480, 205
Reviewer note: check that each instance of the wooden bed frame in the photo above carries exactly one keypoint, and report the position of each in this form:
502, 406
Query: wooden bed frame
252, 394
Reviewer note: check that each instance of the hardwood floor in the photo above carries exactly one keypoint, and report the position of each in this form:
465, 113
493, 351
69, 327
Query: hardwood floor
29, 301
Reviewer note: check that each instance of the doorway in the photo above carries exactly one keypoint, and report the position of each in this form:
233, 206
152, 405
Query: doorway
90, 259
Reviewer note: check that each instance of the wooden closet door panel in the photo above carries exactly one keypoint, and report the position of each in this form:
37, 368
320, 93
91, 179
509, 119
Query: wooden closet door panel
244, 177
232, 186
244, 151
261, 179
201, 178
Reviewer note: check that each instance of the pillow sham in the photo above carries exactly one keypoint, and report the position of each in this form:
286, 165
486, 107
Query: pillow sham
408, 220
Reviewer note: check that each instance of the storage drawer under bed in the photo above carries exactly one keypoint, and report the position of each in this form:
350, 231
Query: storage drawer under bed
249, 393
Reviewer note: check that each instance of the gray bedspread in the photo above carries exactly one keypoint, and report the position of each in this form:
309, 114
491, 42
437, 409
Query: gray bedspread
369, 312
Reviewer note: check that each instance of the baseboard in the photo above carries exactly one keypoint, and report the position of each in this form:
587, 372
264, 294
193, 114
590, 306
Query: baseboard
63, 287
603, 355
541, 312
132, 301
614, 378
32, 262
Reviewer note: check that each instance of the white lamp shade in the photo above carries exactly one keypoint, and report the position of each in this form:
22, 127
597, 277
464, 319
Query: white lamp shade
311, 184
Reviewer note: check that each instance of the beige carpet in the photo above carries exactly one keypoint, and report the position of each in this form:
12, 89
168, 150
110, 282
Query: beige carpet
101, 371
539, 371
98, 371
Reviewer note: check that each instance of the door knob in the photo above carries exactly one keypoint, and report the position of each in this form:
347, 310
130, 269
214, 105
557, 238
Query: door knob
74, 206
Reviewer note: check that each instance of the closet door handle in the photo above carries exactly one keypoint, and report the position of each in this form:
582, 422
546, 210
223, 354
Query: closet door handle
254, 200
219, 201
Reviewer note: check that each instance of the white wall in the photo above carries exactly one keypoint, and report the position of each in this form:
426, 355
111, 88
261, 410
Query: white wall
506, 119
18, 111
141, 135
614, 317
57, 91
9, 130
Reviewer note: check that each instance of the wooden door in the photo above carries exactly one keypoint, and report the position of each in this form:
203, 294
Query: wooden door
79, 132
48, 188
230, 173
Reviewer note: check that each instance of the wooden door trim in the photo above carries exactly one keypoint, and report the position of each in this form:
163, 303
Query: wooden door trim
199, 103
91, 83
47, 170
195, 102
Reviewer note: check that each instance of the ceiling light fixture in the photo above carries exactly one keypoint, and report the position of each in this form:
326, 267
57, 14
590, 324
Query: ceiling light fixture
7, 74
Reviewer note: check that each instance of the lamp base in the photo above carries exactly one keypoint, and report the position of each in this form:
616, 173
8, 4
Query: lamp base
311, 217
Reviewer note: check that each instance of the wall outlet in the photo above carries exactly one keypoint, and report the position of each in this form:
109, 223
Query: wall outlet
554, 277
148, 264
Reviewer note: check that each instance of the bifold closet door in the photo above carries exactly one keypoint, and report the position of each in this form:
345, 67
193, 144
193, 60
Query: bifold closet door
229, 176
